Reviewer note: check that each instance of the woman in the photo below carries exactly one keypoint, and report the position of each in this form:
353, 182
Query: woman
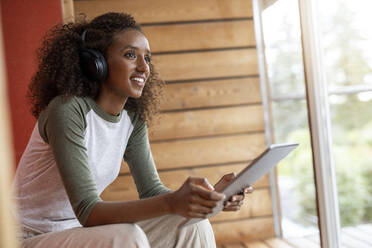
93, 94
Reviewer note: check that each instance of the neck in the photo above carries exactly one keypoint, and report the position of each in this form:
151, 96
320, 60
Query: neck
112, 105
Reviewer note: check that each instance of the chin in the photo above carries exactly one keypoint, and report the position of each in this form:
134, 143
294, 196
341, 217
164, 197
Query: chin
136, 95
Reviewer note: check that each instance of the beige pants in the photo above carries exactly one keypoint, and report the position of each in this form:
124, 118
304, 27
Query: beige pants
157, 232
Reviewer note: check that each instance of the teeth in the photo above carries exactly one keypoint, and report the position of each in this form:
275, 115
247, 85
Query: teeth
141, 80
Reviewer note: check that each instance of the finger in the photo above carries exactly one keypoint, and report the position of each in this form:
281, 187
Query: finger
206, 194
232, 208
201, 181
196, 199
229, 177
235, 203
248, 190
236, 198
194, 208
226, 179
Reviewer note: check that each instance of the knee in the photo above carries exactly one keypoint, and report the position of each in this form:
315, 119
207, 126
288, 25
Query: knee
206, 233
202, 234
204, 227
130, 234
131, 230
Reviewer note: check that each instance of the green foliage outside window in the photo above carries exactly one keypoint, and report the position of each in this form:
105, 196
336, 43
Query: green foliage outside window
353, 172
347, 63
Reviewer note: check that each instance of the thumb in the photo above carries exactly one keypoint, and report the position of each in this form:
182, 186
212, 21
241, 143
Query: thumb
226, 179
229, 177
202, 182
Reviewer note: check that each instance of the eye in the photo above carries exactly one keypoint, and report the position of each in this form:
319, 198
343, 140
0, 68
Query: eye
130, 55
148, 59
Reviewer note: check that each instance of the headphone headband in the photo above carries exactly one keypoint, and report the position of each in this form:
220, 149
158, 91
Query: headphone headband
83, 35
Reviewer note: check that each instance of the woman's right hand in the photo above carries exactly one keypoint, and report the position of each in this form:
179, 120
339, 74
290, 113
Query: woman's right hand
196, 198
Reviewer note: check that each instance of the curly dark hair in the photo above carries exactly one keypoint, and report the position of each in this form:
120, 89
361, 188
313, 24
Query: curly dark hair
60, 73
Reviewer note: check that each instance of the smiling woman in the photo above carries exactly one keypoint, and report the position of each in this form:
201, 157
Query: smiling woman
93, 95
129, 63
62, 48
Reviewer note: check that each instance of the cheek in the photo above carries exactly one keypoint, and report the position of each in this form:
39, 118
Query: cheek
119, 66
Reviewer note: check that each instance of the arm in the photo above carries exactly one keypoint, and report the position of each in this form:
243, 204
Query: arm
63, 127
141, 163
194, 199
117, 212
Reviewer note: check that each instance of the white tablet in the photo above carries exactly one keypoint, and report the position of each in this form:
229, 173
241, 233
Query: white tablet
251, 174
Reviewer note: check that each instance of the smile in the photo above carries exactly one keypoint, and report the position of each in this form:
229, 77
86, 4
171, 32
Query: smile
138, 79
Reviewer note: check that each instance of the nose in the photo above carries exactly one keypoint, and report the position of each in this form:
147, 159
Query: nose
142, 65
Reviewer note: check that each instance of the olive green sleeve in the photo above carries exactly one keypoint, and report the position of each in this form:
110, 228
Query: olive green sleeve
141, 163
62, 126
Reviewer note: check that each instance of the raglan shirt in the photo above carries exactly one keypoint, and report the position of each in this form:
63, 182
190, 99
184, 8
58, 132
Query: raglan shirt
74, 153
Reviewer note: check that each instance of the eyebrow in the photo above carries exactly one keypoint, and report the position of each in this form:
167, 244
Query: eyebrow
135, 48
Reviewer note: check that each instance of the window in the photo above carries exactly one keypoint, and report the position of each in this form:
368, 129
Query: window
347, 46
347, 55
283, 51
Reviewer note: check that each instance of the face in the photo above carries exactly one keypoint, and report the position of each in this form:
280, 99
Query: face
128, 60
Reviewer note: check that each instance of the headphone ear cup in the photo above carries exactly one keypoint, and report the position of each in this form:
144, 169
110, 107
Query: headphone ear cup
93, 64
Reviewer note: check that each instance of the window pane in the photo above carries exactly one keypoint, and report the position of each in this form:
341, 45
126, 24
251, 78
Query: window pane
283, 48
347, 39
295, 173
283, 51
352, 147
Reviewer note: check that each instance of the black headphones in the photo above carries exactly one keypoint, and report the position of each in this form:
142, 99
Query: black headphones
92, 62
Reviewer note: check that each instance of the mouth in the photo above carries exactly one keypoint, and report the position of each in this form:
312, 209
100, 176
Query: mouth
140, 81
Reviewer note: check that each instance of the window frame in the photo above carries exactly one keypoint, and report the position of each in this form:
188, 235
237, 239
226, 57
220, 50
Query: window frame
318, 116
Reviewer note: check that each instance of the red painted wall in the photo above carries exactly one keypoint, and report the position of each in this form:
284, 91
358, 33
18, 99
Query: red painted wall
24, 24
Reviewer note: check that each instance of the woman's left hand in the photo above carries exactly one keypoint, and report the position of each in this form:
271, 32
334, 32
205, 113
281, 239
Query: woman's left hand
235, 201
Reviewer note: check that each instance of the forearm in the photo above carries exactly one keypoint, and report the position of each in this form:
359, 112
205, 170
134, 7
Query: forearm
130, 211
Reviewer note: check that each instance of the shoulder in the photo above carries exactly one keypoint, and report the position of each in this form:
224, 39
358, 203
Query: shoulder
137, 122
72, 104
63, 112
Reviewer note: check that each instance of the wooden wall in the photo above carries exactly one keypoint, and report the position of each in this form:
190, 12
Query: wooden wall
212, 121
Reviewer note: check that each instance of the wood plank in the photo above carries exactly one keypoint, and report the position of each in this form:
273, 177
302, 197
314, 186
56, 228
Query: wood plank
67, 11
211, 93
207, 151
208, 122
257, 204
277, 243
212, 173
123, 188
255, 244
198, 36
174, 179
212, 64
149, 11
244, 230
